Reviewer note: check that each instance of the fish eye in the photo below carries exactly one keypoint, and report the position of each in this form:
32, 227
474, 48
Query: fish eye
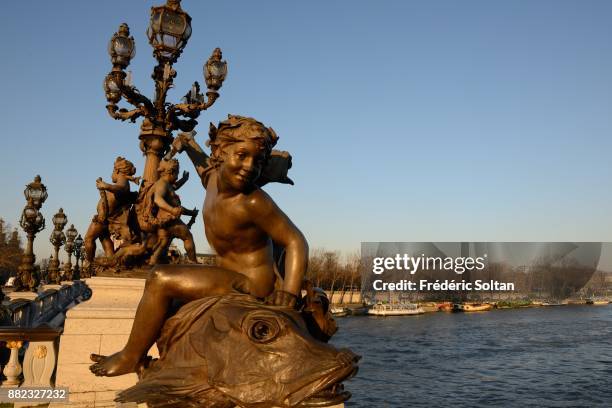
263, 331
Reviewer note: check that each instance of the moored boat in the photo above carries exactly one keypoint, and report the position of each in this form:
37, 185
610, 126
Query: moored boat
395, 309
428, 307
445, 307
339, 311
358, 310
475, 307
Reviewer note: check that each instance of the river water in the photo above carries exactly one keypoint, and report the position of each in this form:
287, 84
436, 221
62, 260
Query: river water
540, 357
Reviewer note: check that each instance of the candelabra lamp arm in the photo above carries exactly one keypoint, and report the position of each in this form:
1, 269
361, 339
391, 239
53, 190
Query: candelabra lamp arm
124, 114
117, 87
190, 111
194, 109
182, 125
134, 97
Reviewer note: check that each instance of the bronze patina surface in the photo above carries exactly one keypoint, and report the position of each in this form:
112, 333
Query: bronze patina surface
143, 224
242, 223
244, 336
229, 350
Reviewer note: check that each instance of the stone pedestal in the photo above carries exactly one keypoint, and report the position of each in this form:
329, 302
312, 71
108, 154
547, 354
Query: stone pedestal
101, 325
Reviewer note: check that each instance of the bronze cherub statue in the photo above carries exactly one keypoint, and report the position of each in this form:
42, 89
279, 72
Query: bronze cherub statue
113, 210
159, 211
242, 224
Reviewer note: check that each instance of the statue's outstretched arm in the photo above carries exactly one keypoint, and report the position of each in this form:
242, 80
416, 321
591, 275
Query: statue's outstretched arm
181, 182
121, 186
186, 142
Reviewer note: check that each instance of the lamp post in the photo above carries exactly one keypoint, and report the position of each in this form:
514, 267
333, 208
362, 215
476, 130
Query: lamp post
78, 244
32, 222
169, 31
57, 240
85, 273
71, 234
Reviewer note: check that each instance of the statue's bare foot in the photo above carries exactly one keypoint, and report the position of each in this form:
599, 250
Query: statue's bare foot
113, 365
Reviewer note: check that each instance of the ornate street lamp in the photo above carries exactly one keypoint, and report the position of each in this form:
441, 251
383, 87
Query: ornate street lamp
36, 193
32, 222
78, 244
168, 33
71, 234
85, 272
57, 240
169, 30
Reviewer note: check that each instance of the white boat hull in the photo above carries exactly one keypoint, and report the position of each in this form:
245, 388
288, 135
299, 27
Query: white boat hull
379, 310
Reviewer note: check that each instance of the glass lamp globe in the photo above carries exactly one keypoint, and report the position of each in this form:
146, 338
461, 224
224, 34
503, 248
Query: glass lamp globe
169, 30
121, 47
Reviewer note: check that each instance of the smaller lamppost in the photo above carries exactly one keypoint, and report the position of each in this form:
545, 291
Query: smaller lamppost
78, 244
71, 234
57, 240
32, 222
85, 272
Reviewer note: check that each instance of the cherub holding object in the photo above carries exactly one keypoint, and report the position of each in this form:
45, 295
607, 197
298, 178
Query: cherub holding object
241, 223
160, 210
113, 209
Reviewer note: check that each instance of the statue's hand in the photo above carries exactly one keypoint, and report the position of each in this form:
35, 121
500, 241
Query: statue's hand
282, 298
100, 185
177, 144
181, 140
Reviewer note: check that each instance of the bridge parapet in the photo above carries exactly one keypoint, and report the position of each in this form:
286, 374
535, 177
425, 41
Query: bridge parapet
30, 329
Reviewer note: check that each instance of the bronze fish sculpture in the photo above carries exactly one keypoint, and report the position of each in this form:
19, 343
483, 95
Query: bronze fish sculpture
222, 352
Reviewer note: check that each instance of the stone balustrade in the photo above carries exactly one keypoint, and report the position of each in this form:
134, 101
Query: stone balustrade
30, 332
39, 348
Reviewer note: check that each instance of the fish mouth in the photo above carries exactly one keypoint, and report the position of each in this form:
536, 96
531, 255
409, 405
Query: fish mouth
327, 390
333, 394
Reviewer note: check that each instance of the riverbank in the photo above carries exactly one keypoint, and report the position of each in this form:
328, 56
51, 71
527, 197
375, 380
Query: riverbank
357, 309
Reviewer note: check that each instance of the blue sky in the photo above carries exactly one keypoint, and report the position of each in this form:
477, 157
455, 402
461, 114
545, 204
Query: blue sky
407, 121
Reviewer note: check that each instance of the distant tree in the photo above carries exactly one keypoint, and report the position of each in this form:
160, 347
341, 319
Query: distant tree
352, 270
2, 233
331, 266
10, 251
315, 271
